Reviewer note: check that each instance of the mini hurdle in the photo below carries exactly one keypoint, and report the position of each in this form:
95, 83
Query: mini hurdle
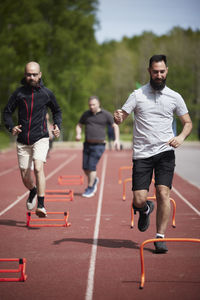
59, 195
20, 270
45, 220
154, 198
71, 180
142, 278
120, 172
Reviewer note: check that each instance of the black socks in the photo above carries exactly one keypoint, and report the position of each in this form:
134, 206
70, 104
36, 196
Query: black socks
144, 210
32, 194
40, 201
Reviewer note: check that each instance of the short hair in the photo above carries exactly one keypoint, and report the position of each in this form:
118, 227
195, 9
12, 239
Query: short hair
157, 58
94, 97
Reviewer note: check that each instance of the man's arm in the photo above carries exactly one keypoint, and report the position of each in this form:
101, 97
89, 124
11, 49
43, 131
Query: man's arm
187, 128
56, 112
120, 115
116, 141
8, 111
78, 131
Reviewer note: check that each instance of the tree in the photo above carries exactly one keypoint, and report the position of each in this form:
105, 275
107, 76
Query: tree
59, 34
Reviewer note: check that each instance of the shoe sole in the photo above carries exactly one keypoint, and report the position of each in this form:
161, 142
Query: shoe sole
41, 214
88, 196
161, 251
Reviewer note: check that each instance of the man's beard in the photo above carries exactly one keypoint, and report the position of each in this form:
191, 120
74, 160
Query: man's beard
158, 85
33, 83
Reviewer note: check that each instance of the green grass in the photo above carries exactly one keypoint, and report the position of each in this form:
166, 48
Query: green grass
126, 137
4, 140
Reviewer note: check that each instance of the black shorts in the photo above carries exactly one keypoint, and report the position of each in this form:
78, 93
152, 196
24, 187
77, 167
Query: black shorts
162, 165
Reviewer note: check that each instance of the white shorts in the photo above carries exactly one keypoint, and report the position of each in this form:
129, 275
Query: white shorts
27, 153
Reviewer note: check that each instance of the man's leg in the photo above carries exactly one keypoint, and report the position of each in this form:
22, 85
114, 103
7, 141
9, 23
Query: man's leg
164, 170
24, 153
40, 177
91, 175
40, 150
141, 180
41, 184
144, 207
29, 183
162, 216
27, 178
163, 208
91, 156
139, 198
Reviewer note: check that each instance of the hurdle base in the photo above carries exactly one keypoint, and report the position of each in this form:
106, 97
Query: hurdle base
65, 219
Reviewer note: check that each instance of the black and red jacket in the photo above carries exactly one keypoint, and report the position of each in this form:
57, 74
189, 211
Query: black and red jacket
32, 104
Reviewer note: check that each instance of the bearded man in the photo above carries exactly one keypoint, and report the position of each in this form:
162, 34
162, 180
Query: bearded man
32, 100
154, 106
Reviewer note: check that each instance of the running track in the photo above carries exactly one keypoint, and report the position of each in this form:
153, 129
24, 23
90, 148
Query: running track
98, 256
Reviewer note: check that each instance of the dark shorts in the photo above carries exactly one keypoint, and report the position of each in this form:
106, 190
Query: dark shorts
91, 155
162, 165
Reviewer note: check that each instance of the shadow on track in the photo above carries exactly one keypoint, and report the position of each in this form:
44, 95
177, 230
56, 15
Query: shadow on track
109, 243
16, 223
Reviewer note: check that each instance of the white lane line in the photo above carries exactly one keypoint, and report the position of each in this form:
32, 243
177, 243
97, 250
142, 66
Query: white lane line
91, 272
8, 171
49, 176
186, 201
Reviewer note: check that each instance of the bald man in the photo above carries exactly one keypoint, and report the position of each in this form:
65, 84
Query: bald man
32, 100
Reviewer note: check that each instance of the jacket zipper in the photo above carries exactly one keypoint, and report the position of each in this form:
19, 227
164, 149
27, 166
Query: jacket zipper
29, 129
26, 109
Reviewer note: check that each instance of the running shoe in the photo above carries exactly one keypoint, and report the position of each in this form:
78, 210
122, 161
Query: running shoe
96, 181
160, 247
31, 201
144, 218
41, 212
89, 192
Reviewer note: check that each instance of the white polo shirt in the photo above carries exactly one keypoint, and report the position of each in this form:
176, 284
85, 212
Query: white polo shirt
153, 117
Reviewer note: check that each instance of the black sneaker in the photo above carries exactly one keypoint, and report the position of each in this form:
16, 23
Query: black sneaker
31, 201
160, 247
144, 219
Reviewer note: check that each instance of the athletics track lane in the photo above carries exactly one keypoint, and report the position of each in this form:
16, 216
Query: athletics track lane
58, 259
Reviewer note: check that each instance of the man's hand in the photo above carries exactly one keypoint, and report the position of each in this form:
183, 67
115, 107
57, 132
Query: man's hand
56, 131
117, 145
118, 116
78, 132
176, 141
16, 130
187, 128
78, 137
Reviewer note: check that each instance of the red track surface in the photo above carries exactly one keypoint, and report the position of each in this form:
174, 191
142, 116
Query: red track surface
60, 259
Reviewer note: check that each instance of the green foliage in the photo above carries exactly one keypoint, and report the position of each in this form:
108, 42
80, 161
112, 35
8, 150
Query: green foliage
59, 34
4, 140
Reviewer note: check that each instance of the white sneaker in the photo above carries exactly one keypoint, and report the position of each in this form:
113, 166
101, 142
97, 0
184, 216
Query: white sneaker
31, 201
31, 205
41, 212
